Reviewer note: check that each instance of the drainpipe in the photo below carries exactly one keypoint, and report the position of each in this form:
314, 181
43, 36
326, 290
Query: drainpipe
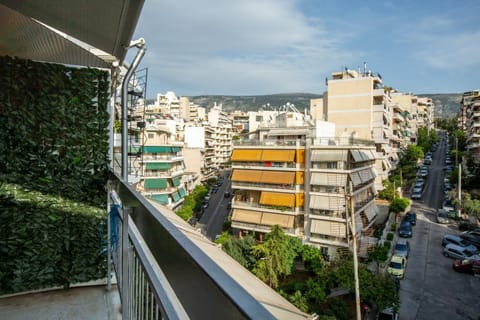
140, 44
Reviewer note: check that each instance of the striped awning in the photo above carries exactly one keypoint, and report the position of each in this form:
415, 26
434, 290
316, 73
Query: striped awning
283, 220
355, 177
175, 196
371, 212
253, 155
246, 175
328, 179
246, 216
176, 181
328, 155
157, 165
278, 177
160, 198
276, 155
329, 228
155, 183
278, 199
327, 202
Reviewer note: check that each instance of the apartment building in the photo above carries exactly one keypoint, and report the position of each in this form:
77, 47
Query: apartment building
239, 121
408, 103
223, 133
425, 113
287, 177
162, 166
199, 150
268, 182
359, 105
470, 117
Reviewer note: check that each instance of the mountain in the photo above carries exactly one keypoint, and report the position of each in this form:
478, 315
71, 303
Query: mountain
254, 103
446, 104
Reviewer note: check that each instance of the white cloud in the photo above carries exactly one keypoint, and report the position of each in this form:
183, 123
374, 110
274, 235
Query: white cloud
237, 47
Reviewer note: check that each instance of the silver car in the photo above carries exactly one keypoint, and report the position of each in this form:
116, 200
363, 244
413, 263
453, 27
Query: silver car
457, 252
402, 248
450, 238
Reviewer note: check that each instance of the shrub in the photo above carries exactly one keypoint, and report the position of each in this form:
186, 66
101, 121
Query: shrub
387, 244
393, 227
399, 204
389, 236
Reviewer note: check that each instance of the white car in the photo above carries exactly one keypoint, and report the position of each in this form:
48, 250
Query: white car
456, 252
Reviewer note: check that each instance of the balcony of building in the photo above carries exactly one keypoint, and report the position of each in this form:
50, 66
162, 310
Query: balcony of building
160, 262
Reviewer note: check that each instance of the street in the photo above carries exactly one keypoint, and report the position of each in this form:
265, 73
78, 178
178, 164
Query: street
212, 219
431, 288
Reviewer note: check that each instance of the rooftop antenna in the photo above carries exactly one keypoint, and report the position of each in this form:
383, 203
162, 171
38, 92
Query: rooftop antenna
364, 68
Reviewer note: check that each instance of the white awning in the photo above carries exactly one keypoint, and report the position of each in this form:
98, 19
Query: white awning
329, 228
355, 177
328, 155
371, 212
327, 202
328, 179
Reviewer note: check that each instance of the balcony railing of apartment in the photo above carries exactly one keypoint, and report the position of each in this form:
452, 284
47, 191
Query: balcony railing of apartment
341, 141
262, 165
162, 274
259, 227
256, 205
150, 157
236, 184
278, 143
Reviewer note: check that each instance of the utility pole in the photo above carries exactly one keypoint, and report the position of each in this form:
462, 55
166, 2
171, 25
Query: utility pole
354, 249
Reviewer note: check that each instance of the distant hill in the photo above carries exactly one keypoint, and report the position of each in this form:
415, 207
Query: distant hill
254, 103
446, 104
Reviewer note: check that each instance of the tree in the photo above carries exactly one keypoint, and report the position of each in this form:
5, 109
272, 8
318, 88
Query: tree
399, 204
299, 301
274, 257
412, 154
312, 259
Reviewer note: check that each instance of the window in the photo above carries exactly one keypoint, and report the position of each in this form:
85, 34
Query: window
332, 165
151, 135
259, 118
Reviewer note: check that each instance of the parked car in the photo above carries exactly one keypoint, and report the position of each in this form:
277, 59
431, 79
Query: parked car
402, 248
397, 266
214, 189
457, 252
423, 173
387, 314
442, 216
417, 189
419, 184
411, 217
471, 236
416, 195
450, 238
227, 194
405, 230
467, 266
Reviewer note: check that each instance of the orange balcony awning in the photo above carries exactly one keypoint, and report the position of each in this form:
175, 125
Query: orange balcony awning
278, 155
278, 199
278, 177
246, 216
300, 154
246, 155
246, 175
283, 220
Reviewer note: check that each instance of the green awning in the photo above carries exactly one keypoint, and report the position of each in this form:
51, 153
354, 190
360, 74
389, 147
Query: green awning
160, 198
182, 192
176, 149
176, 181
157, 165
155, 183
175, 196
134, 149
157, 149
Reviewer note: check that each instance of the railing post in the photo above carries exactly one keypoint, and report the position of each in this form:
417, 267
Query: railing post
125, 265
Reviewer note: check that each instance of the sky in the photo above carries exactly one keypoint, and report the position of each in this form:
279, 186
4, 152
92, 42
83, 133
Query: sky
256, 47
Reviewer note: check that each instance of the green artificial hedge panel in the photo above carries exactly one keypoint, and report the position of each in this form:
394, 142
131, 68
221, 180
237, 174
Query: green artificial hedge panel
54, 132
53, 170
47, 241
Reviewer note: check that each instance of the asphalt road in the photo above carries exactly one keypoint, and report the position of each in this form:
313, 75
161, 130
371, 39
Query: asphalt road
431, 289
212, 219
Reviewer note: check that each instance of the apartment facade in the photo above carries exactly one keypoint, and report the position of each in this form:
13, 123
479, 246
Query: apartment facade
470, 122
425, 113
163, 167
222, 137
359, 105
285, 177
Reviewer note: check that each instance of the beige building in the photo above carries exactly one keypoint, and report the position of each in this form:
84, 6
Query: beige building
425, 113
359, 105
285, 177
222, 137
470, 115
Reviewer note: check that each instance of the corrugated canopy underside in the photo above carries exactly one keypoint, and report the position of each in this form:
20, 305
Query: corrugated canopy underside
107, 25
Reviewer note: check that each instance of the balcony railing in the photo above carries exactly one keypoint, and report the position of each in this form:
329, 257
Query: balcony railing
163, 274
